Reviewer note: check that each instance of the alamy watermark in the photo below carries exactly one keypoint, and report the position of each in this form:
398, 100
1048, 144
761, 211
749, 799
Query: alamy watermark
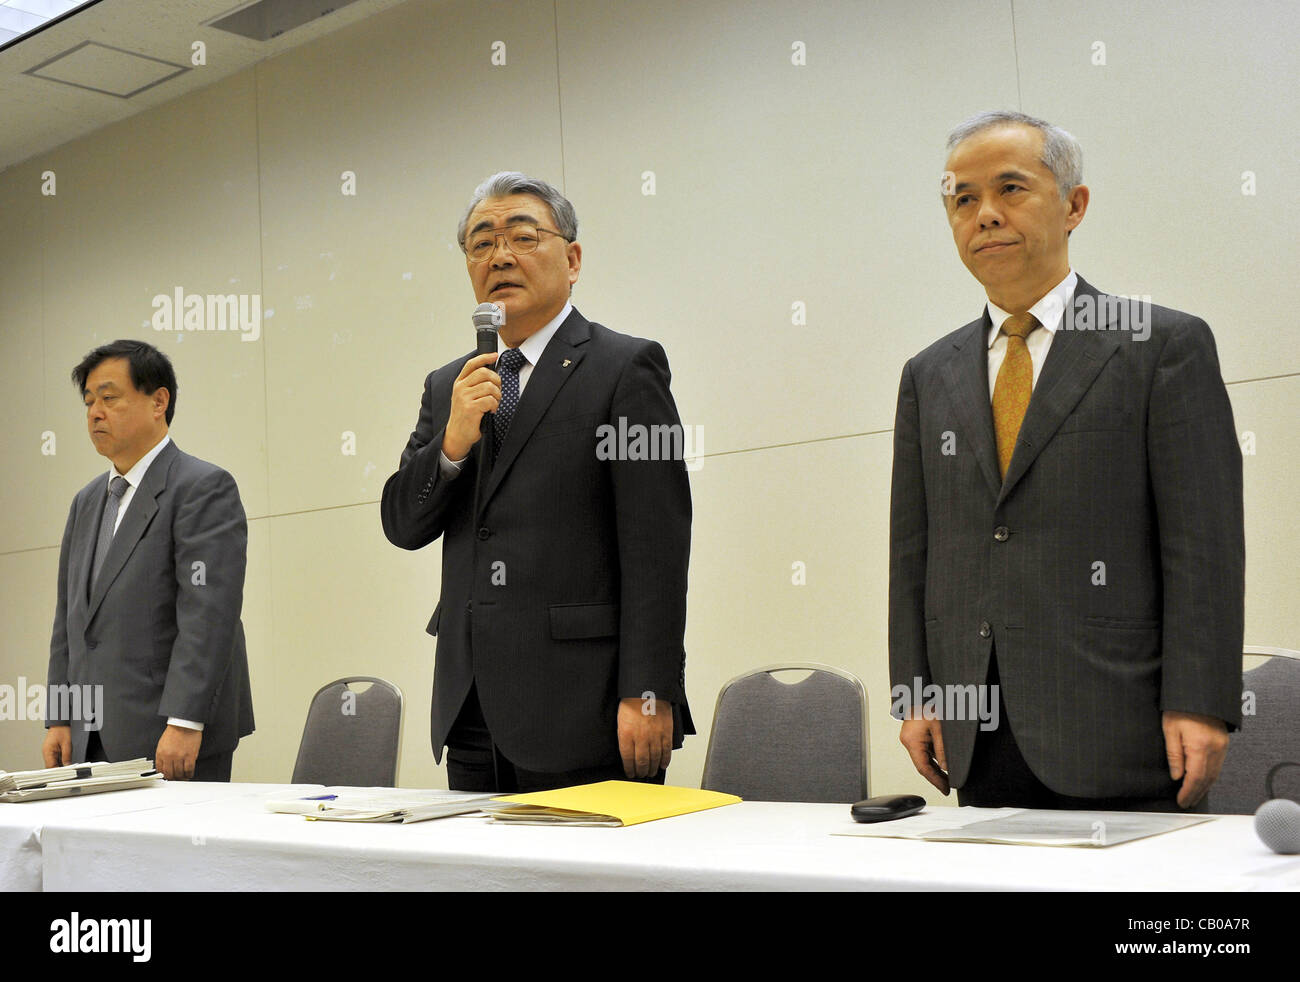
657, 441
1110, 313
102, 935
181, 311
952, 702
65, 703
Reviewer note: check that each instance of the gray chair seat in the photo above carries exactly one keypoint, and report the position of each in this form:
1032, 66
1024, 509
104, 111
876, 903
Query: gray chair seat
803, 742
352, 739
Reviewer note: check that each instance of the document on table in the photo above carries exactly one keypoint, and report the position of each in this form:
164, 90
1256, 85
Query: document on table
607, 803
381, 804
77, 779
1029, 827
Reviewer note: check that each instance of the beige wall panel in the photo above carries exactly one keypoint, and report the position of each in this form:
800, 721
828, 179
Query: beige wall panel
775, 184
163, 200
1266, 414
258, 758
345, 603
1191, 96
28, 515
27, 611
370, 291
824, 505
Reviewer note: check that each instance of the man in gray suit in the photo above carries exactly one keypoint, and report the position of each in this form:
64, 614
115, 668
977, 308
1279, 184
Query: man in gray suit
1066, 515
151, 581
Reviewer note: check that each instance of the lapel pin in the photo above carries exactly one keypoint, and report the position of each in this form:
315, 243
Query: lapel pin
567, 363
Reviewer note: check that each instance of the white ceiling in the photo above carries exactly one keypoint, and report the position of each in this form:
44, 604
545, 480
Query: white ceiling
120, 57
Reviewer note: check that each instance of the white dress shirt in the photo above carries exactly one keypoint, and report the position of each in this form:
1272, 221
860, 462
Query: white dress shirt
1048, 310
133, 478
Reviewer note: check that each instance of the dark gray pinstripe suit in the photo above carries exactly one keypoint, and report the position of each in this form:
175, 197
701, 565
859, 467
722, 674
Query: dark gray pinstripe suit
1127, 456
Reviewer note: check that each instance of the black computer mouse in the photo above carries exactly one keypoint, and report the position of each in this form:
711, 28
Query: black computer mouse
886, 808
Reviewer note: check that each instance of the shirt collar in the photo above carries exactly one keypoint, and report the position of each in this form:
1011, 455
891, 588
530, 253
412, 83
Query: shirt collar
1048, 309
533, 346
136, 474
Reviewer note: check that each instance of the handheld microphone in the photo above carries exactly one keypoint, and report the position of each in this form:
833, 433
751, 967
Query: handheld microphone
1277, 822
488, 319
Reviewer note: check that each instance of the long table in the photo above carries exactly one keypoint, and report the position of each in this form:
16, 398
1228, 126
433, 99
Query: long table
231, 842
22, 824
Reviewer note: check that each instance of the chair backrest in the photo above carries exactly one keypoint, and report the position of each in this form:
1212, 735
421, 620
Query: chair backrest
1269, 735
352, 739
802, 742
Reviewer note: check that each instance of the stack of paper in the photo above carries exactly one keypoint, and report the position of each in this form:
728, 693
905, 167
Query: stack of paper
1025, 827
380, 804
608, 803
77, 779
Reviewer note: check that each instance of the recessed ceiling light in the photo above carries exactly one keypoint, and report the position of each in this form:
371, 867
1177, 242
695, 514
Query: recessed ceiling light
22, 18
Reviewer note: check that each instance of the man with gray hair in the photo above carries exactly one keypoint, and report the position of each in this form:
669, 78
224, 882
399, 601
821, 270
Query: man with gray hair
560, 624
1066, 513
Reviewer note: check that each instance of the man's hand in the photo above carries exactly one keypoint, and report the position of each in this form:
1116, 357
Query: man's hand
178, 749
923, 739
645, 739
1195, 745
57, 748
477, 390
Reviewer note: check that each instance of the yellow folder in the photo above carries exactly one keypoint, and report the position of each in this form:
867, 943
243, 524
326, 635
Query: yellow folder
607, 803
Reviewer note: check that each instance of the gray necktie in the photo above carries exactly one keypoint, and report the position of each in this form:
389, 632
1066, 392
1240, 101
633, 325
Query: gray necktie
116, 488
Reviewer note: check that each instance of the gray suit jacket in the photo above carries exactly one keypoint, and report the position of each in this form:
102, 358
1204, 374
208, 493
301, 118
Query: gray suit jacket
1108, 569
161, 630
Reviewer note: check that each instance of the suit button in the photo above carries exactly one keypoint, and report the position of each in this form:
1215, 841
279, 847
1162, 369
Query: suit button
986, 629
484, 534
1002, 533
92, 644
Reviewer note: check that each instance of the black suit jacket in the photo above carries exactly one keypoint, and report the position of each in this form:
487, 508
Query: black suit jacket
160, 634
567, 591
1127, 457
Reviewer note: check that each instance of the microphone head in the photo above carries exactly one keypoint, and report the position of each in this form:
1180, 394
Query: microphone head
1277, 823
489, 315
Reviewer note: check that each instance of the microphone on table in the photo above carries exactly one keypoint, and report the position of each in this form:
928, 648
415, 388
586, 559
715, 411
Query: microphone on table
1277, 821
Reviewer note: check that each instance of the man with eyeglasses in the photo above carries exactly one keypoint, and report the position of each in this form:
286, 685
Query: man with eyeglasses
560, 623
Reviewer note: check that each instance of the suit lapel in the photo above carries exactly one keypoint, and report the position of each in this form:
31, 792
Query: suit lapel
90, 511
1073, 362
967, 375
139, 514
557, 364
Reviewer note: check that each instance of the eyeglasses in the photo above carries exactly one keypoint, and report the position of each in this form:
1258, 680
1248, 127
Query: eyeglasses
520, 239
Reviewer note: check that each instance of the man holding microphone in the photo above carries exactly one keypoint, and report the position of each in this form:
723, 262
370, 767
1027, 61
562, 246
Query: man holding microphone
560, 623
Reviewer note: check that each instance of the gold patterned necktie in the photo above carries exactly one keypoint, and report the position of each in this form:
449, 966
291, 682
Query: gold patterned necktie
1014, 386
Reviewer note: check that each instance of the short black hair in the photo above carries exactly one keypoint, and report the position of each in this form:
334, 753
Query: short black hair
151, 370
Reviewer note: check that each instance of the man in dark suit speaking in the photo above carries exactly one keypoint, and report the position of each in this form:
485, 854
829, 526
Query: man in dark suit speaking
560, 625
151, 583
1066, 515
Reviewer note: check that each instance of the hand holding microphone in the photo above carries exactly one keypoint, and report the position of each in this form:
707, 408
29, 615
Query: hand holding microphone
477, 389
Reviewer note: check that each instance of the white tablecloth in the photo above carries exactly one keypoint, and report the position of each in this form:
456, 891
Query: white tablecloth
232, 843
21, 824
